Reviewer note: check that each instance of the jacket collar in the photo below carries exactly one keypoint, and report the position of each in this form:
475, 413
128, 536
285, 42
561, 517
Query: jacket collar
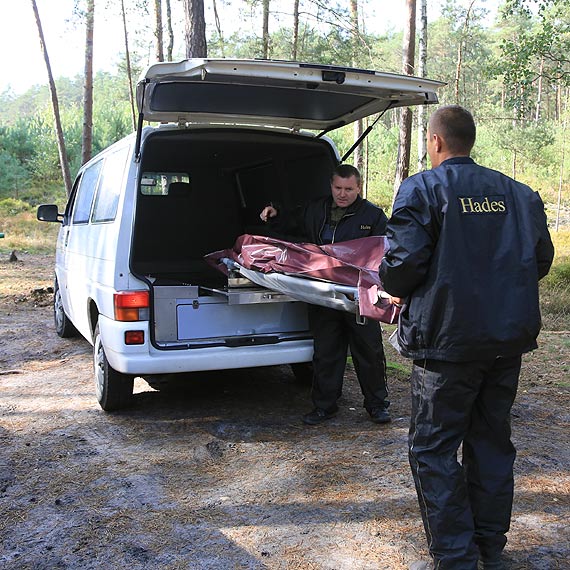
350, 209
458, 160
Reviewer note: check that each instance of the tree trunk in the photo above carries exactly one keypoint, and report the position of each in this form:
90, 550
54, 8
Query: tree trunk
358, 159
404, 146
55, 105
159, 51
539, 89
218, 27
561, 176
87, 138
128, 63
265, 37
195, 28
462, 40
295, 46
514, 172
559, 87
409, 42
170, 46
422, 72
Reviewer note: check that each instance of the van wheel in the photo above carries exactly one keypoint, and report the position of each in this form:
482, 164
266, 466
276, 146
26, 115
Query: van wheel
63, 326
303, 372
114, 390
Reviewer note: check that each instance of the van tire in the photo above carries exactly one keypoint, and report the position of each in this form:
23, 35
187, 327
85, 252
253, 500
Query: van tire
63, 326
303, 372
114, 390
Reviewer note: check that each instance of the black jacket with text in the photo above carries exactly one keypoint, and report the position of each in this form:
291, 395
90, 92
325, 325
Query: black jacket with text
361, 219
467, 247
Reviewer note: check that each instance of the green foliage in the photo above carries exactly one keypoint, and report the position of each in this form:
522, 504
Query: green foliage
13, 175
536, 46
525, 140
10, 207
29, 157
461, 31
559, 276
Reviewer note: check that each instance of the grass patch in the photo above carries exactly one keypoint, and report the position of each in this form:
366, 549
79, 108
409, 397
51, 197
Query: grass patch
22, 231
396, 366
397, 370
555, 287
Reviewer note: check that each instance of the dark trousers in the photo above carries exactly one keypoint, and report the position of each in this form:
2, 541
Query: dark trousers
334, 331
466, 508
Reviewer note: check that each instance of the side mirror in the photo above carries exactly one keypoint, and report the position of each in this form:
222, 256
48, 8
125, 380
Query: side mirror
49, 213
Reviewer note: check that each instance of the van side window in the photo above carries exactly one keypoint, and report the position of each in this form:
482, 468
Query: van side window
85, 193
110, 184
158, 183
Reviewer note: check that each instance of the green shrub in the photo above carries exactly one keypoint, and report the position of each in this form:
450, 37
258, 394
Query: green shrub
10, 207
559, 275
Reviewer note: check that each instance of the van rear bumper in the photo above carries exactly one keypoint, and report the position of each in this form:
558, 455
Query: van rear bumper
145, 359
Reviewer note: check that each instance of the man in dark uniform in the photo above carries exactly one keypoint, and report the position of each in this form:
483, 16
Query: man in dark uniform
342, 216
467, 247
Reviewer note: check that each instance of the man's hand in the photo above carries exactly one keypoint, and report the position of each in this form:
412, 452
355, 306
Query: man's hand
268, 212
396, 301
386, 297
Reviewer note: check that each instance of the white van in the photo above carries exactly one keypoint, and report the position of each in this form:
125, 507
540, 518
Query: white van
130, 274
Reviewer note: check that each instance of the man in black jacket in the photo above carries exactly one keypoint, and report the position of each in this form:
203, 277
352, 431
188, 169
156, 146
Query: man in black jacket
467, 247
342, 216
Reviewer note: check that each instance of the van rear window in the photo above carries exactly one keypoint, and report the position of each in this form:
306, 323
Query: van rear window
159, 183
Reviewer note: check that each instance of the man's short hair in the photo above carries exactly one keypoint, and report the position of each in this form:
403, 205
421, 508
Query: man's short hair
456, 126
346, 171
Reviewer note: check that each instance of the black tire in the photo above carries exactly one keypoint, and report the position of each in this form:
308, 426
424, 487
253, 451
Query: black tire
303, 372
114, 390
63, 326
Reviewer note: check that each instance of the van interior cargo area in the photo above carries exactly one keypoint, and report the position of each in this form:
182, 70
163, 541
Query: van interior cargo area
232, 175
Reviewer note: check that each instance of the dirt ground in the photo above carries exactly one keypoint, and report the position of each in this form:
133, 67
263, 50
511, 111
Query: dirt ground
219, 473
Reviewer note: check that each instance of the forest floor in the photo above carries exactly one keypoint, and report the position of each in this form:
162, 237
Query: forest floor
219, 473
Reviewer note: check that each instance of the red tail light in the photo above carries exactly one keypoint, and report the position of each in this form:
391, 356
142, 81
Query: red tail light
134, 337
131, 305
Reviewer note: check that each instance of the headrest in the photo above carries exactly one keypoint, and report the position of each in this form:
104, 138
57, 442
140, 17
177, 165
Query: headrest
179, 189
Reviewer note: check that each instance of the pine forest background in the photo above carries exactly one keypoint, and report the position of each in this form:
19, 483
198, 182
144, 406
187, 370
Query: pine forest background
512, 72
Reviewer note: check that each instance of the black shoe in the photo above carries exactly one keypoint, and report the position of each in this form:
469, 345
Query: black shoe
380, 415
318, 416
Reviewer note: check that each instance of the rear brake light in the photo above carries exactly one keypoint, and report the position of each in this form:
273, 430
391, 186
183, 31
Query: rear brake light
134, 337
131, 305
